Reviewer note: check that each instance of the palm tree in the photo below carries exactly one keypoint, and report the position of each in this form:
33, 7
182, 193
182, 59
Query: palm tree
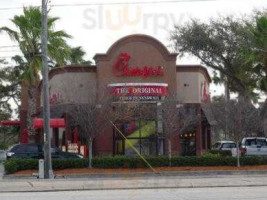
76, 56
28, 35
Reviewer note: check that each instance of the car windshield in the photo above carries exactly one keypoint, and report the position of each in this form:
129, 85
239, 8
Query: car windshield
229, 145
251, 142
216, 145
11, 147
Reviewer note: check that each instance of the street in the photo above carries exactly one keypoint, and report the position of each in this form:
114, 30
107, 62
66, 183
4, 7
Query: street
224, 193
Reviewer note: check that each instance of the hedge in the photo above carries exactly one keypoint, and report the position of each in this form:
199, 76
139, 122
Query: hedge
13, 165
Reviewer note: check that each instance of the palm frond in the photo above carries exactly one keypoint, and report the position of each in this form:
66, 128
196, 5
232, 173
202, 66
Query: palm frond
12, 34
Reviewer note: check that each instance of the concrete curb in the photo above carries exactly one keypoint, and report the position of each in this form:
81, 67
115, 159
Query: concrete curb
126, 188
161, 182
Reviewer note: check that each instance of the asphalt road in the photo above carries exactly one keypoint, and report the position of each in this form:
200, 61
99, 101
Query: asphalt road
222, 193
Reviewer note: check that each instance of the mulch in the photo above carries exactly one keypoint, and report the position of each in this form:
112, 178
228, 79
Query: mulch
140, 170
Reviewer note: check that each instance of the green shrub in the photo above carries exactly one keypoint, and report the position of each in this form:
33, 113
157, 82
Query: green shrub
10, 167
157, 161
13, 165
185, 161
217, 160
253, 160
69, 163
109, 162
115, 162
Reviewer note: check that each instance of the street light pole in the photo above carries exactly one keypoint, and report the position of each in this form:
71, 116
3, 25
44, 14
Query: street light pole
48, 173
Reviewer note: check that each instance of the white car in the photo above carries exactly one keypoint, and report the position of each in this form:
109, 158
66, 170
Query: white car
254, 146
226, 146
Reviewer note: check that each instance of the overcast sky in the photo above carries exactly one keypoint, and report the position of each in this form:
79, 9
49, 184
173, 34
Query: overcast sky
96, 27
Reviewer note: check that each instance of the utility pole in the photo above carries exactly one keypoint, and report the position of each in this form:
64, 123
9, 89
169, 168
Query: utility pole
48, 173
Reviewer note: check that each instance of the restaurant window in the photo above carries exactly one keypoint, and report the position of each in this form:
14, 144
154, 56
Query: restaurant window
141, 134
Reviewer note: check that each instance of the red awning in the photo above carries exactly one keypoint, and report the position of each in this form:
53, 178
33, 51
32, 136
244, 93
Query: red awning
54, 123
10, 123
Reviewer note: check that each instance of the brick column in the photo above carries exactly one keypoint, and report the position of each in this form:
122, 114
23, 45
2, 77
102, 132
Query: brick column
176, 147
199, 133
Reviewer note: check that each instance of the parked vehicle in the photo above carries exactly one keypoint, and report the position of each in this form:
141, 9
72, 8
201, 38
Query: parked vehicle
254, 146
35, 151
224, 145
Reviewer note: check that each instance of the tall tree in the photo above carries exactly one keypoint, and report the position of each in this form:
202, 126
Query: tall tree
217, 45
77, 56
9, 92
176, 119
255, 48
10, 80
243, 119
28, 35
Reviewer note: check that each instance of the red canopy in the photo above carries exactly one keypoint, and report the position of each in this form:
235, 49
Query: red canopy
10, 123
54, 123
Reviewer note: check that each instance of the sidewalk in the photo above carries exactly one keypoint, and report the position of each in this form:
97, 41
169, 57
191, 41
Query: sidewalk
144, 182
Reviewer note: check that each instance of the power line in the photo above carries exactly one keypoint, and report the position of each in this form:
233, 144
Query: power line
128, 3
9, 46
112, 3
3, 57
10, 50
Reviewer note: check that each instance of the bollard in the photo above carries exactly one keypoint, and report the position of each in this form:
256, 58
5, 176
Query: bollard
41, 169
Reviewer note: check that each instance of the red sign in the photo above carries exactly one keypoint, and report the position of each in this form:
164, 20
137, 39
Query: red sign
54, 123
139, 91
121, 68
54, 98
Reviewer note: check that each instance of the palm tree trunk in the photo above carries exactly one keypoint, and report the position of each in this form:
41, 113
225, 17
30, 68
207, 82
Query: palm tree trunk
32, 109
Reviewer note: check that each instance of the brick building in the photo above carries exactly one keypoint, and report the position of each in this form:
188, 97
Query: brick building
135, 67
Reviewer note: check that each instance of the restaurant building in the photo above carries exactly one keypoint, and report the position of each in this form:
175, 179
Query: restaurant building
135, 68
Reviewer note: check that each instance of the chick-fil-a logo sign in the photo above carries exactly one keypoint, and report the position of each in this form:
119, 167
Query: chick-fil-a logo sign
122, 68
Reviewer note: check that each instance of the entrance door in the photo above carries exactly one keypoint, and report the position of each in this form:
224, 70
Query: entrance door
188, 144
141, 137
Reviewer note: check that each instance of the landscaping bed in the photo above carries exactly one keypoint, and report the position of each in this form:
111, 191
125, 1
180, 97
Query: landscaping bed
141, 170
125, 163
